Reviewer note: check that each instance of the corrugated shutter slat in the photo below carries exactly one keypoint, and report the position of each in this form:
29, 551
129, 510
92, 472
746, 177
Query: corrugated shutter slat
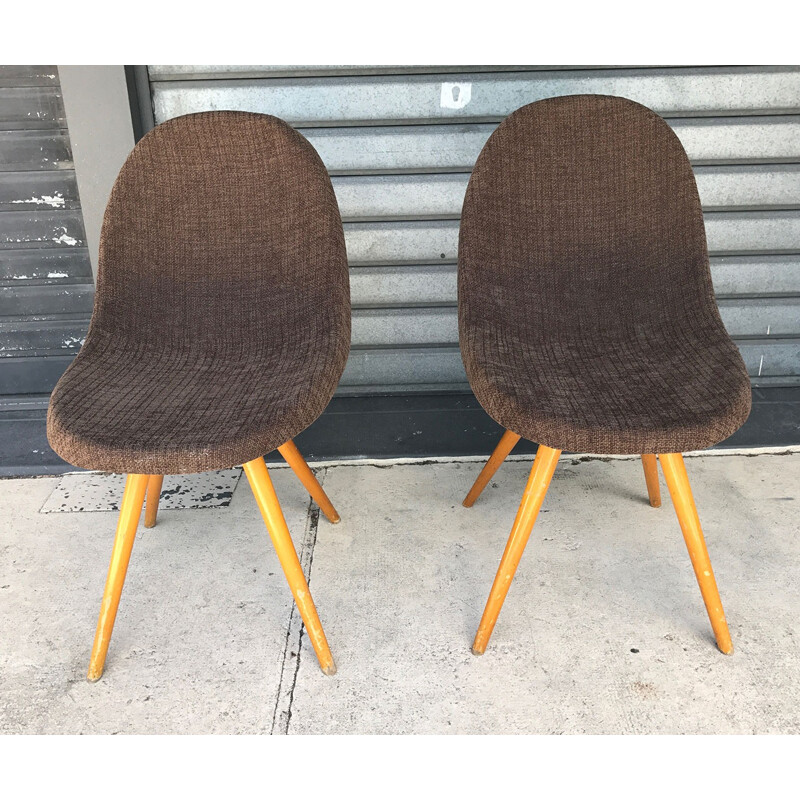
401, 142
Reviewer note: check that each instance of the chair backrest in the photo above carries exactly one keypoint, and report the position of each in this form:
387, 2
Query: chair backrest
582, 218
222, 234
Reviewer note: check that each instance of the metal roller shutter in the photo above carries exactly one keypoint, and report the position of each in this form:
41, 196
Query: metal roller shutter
46, 287
400, 143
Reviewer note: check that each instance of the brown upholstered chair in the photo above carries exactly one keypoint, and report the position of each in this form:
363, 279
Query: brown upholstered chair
221, 327
587, 317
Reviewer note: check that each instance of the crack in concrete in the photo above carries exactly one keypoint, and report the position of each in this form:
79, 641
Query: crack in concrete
293, 644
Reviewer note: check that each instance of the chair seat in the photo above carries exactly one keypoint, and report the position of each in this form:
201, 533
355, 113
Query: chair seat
123, 407
666, 395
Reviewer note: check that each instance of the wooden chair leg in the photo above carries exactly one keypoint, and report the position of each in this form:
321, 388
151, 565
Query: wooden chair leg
129, 514
298, 464
270, 508
153, 496
504, 447
678, 484
544, 466
650, 464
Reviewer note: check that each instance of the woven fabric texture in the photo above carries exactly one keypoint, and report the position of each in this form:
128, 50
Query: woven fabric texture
587, 316
221, 323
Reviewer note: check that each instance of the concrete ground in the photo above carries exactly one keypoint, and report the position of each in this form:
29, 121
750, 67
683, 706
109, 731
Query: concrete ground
604, 630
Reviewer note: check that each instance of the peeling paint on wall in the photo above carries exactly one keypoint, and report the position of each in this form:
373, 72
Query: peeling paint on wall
64, 238
54, 201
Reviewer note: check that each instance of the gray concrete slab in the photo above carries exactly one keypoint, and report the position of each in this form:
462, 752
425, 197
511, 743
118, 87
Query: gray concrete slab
198, 645
604, 630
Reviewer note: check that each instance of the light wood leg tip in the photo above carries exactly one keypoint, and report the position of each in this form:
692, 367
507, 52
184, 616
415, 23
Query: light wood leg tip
94, 676
467, 503
477, 650
149, 524
330, 670
656, 504
335, 520
728, 651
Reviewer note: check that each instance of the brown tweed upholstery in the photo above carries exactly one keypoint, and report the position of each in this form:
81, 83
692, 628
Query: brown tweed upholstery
587, 317
221, 323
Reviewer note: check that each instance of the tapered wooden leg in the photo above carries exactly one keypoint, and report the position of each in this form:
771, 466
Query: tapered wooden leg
504, 447
298, 464
151, 504
541, 472
270, 508
678, 484
129, 514
650, 464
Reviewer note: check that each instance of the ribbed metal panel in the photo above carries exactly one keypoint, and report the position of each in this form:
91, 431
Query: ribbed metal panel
455, 147
481, 96
38, 189
400, 143
46, 288
404, 327
379, 197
